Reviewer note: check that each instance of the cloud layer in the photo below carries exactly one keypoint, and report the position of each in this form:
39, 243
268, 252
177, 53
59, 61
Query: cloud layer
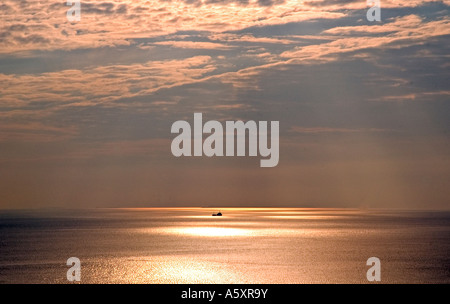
350, 95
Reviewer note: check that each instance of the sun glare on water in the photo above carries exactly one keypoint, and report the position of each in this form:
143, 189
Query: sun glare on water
211, 231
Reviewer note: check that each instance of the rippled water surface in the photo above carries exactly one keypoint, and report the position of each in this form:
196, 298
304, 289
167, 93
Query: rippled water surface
245, 245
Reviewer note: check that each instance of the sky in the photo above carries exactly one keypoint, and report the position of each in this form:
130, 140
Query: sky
86, 107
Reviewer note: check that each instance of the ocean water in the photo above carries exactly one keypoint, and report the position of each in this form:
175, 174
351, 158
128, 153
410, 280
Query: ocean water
245, 245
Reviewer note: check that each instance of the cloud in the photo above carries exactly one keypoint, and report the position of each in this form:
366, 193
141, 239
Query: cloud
99, 85
121, 148
194, 45
419, 96
42, 25
357, 4
250, 38
35, 132
401, 32
328, 130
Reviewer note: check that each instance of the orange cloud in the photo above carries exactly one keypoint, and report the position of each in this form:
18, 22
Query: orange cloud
42, 25
328, 130
100, 84
194, 45
404, 31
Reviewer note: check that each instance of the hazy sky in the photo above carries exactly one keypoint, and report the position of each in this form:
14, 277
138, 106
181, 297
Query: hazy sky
86, 107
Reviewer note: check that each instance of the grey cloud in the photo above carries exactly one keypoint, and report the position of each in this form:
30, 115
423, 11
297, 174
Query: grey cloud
32, 39
105, 8
6, 9
270, 2
329, 2
242, 2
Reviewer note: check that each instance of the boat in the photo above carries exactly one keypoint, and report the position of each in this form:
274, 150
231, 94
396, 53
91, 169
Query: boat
217, 214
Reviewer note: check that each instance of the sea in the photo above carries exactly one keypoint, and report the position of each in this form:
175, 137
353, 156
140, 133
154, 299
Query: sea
244, 245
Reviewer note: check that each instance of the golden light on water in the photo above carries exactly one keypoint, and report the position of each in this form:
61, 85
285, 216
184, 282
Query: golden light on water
213, 231
168, 269
302, 217
246, 247
225, 232
243, 222
202, 231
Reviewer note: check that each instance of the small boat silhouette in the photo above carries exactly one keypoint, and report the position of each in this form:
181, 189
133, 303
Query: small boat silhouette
217, 214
